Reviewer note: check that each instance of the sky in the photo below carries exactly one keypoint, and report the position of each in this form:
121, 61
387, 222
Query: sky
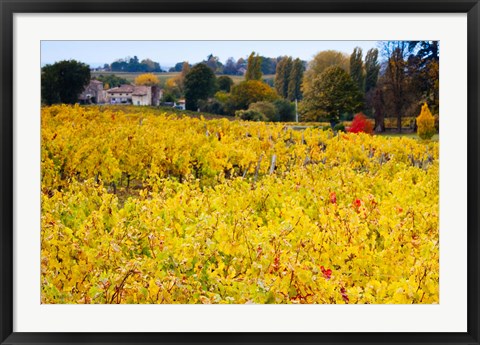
167, 53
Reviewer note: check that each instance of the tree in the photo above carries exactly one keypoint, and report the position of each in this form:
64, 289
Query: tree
376, 101
268, 65
251, 91
320, 63
295, 80
254, 67
230, 67
282, 76
178, 67
425, 123
200, 83
214, 63
64, 81
225, 83
372, 68
150, 66
285, 110
172, 88
396, 83
134, 65
148, 79
112, 80
331, 94
356, 68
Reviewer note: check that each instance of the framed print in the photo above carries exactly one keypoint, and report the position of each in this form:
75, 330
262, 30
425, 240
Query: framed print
239, 172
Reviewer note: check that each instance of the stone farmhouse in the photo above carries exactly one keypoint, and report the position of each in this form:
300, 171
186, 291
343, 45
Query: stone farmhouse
133, 94
93, 93
124, 94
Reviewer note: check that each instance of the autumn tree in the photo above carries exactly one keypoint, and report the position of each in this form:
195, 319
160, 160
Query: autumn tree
147, 79
395, 81
200, 83
172, 89
251, 91
266, 108
64, 81
254, 67
321, 62
331, 94
425, 123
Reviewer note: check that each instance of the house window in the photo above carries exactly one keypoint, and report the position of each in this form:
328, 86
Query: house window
138, 102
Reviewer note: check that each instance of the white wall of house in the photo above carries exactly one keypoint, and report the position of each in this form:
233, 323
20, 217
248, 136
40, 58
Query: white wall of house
117, 98
141, 100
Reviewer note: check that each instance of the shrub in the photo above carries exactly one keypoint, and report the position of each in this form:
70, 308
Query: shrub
285, 110
361, 123
225, 83
211, 106
266, 108
250, 115
425, 123
339, 127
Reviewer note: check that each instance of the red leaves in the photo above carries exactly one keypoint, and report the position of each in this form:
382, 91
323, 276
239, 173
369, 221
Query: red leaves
357, 203
333, 197
344, 294
276, 264
259, 251
361, 123
327, 274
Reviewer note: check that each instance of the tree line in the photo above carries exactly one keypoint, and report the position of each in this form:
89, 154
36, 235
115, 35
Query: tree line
392, 80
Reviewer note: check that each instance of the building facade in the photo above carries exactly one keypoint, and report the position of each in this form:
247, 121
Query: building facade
93, 93
133, 94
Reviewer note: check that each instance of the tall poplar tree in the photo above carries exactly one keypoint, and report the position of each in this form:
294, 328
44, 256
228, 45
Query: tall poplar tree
282, 76
356, 68
372, 69
295, 80
254, 67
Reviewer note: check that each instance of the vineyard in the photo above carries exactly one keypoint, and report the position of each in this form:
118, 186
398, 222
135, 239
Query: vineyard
145, 208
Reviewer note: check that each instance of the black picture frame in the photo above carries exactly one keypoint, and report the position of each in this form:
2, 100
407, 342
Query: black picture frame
9, 7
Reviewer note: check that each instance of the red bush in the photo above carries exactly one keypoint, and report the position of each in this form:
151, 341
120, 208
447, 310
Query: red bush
361, 123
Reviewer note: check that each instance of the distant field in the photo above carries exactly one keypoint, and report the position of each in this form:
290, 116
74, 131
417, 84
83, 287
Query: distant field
130, 76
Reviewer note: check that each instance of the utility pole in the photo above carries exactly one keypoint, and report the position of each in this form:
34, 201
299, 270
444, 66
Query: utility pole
296, 110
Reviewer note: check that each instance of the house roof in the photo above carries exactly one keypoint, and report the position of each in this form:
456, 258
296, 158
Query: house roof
122, 89
140, 90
